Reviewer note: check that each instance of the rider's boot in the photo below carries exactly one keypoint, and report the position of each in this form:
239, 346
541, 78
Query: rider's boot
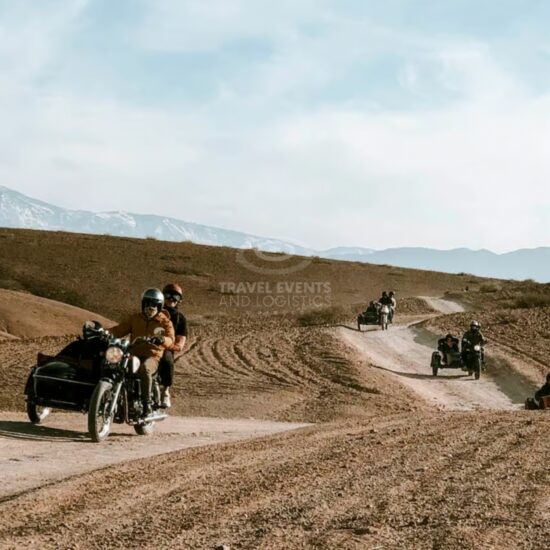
165, 402
147, 408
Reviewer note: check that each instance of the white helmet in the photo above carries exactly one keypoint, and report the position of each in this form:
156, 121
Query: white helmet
152, 297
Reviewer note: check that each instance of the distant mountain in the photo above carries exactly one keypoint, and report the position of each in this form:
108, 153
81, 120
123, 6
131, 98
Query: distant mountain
533, 263
19, 211
355, 254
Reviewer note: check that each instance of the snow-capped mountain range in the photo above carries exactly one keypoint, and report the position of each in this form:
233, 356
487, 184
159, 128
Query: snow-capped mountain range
20, 211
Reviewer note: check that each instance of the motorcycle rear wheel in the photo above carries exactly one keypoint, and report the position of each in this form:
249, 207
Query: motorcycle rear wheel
98, 425
36, 413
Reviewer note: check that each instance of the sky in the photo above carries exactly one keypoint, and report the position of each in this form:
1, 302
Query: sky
322, 122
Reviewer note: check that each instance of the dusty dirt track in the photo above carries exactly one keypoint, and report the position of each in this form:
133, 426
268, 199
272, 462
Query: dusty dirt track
380, 469
448, 480
35, 456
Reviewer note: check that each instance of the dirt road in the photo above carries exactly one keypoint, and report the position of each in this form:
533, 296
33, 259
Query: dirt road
443, 306
405, 350
33, 456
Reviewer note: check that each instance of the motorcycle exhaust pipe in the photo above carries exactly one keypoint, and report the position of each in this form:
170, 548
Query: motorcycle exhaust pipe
156, 417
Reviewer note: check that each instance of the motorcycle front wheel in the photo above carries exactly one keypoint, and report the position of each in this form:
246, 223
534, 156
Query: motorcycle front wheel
477, 370
99, 420
36, 413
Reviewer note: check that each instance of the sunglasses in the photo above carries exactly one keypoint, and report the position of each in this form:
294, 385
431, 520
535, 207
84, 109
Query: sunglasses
173, 297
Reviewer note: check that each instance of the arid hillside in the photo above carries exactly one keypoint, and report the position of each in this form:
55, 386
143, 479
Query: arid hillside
24, 315
107, 274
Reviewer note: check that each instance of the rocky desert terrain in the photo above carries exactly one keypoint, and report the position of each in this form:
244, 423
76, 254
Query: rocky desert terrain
290, 429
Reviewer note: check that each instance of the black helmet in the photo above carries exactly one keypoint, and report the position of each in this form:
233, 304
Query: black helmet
474, 325
449, 336
384, 293
392, 293
548, 378
152, 297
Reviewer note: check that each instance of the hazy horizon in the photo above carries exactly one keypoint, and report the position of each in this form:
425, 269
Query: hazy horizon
290, 241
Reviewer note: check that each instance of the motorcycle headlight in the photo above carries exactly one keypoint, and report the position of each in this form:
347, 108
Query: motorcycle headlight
114, 355
477, 348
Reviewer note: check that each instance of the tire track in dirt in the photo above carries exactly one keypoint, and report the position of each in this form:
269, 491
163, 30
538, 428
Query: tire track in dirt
244, 348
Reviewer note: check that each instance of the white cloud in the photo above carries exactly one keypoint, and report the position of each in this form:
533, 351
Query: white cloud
271, 154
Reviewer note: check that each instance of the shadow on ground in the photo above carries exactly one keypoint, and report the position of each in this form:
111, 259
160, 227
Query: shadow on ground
26, 430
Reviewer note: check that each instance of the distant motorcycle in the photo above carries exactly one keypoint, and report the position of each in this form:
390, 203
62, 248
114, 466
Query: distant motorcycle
448, 360
369, 317
532, 404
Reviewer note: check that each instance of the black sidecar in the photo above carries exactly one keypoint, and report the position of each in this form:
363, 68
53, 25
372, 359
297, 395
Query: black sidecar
65, 381
453, 360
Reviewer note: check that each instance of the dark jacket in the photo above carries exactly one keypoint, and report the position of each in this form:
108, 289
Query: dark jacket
472, 338
180, 329
543, 392
443, 346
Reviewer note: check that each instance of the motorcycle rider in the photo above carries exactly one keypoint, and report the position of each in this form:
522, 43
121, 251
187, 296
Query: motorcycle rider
173, 295
544, 391
393, 305
385, 300
447, 345
472, 337
143, 325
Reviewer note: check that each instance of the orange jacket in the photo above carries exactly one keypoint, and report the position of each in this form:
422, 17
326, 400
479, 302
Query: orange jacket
137, 326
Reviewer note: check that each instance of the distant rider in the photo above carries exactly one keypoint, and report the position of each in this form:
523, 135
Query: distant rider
393, 306
385, 300
173, 295
472, 337
544, 391
447, 345
372, 307
142, 325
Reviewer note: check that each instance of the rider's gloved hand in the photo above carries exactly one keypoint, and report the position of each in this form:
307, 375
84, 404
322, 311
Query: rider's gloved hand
157, 340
